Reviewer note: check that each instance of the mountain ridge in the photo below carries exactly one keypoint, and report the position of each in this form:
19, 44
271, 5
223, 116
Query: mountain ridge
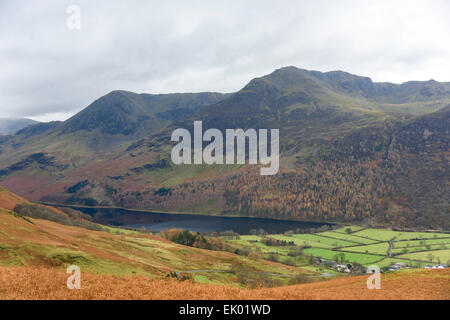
330, 126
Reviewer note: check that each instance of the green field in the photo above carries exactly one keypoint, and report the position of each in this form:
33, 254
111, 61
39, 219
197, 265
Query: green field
416, 243
386, 235
419, 249
377, 248
302, 241
353, 228
348, 256
421, 235
348, 237
259, 246
378, 234
250, 238
324, 240
364, 246
434, 256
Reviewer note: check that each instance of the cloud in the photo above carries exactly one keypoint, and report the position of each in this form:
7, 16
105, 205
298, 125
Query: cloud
50, 72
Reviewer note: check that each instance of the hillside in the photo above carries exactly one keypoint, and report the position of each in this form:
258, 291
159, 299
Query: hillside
351, 150
122, 264
9, 200
34, 242
128, 113
40, 283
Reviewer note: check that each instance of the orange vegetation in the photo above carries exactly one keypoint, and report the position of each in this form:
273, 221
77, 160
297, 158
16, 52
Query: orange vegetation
42, 243
9, 200
44, 283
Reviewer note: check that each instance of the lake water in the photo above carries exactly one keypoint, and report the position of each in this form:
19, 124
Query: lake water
155, 221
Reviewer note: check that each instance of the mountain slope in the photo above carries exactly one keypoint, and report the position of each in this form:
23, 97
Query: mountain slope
9, 200
122, 112
35, 242
357, 86
404, 285
391, 172
351, 150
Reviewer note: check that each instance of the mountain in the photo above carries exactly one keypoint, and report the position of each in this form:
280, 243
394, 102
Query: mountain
11, 126
351, 150
128, 113
363, 87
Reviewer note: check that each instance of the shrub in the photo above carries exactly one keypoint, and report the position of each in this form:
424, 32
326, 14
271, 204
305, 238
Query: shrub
192, 239
78, 186
41, 212
68, 217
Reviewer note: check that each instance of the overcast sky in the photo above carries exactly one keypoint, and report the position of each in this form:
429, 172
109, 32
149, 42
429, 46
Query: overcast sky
49, 72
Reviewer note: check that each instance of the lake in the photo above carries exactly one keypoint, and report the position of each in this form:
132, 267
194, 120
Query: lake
156, 221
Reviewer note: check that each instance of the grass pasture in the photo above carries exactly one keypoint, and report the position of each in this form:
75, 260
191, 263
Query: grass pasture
378, 234
434, 256
331, 242
347, 237
421, 235
405, 250
301, 241
377, 248
328, 254
422, 243
352, 228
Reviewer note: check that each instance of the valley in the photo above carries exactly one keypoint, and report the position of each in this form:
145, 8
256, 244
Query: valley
351, 150
304, 259
214, 157
363, 181
32, 242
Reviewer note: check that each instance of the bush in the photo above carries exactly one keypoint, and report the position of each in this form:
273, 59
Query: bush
276, 242
180, 276
192, 239
41, 212
163, 192
78, 186
68, 217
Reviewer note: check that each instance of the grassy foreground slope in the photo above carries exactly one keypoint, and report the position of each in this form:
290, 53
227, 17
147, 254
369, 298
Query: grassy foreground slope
43, 283
32, 242
9, 200
131, 265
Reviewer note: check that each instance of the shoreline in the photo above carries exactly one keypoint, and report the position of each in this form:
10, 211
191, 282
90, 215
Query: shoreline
73, 206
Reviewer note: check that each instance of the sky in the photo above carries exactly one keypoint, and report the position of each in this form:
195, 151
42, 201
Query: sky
50, 70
